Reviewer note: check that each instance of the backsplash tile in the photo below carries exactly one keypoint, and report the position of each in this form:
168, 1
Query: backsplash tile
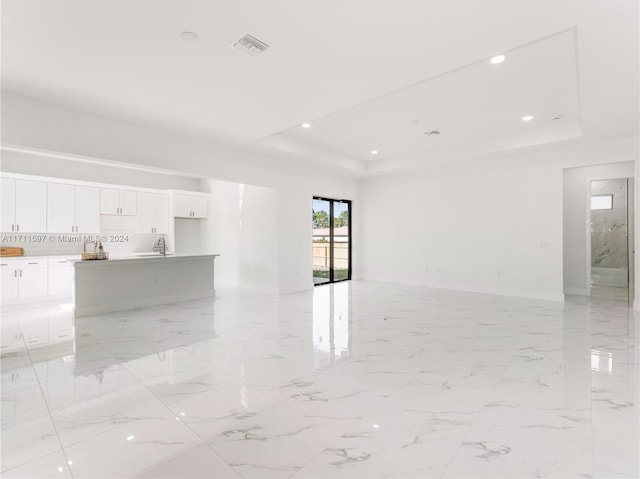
52, 244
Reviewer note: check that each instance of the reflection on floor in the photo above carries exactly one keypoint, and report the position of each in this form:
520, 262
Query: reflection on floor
319, 280
349, 380
608, 292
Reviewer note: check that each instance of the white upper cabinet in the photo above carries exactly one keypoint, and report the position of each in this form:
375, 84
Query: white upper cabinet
87, 204
189, 206
73, 209
118, 202
128, 202
153, 213
8, 207
61, 216
24, 206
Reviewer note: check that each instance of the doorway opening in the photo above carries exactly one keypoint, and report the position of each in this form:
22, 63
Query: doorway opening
611, 237
331, 240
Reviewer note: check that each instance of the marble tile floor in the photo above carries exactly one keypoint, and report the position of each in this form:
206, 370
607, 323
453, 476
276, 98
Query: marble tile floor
351, 380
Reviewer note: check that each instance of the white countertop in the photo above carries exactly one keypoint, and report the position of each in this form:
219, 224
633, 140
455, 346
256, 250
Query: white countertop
59, 256
129, 258
112, 256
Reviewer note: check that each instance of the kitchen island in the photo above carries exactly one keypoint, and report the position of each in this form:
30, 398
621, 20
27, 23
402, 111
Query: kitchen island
138, 281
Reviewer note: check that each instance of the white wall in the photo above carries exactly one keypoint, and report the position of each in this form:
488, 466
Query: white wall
576, 213
30, 123
493, 226
244, 226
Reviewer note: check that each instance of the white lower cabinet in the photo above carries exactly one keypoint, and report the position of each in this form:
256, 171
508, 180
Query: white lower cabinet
24, 279
60, 276
9, 272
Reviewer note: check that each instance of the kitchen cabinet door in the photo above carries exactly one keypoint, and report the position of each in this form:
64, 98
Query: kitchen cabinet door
8, 207
162, 214
32, 282
199, 206
31, 206
146, 213
118, 202
87, 209
189, 206
60, 208
128, 202
60, 279
109, 201
181, 206
9, 278
153, 213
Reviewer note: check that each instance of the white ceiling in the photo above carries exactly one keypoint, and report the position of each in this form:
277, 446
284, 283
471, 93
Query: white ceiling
367, 74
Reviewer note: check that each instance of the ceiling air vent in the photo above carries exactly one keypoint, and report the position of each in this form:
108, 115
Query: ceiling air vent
432, 132
251, 45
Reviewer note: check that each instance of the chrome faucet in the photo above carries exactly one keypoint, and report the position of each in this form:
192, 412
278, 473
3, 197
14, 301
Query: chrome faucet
161, 247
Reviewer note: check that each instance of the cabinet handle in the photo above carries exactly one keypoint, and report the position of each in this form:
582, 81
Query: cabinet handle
21, 273
13, 227
4, 264
17, 227
15, 273
35, 262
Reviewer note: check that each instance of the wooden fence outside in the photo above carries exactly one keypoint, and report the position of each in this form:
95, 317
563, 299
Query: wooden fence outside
321, 256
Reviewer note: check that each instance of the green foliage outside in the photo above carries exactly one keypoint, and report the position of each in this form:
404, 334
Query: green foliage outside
338, 274
341, 220
321, 219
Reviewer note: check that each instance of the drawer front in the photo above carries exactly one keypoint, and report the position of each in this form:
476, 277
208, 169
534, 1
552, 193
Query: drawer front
60, 263
32, 263
9, 263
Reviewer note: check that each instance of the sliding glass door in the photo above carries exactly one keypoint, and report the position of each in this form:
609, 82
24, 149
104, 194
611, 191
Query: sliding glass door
331, 240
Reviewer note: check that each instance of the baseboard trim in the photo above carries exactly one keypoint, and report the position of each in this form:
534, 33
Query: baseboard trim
512, 293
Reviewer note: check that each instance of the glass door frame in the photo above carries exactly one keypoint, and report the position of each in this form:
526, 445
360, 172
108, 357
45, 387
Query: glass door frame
332, 239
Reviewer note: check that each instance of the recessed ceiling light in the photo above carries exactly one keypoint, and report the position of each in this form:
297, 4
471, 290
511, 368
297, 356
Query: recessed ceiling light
527, 118
306, 125
497, 59
374, 152
190, 36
